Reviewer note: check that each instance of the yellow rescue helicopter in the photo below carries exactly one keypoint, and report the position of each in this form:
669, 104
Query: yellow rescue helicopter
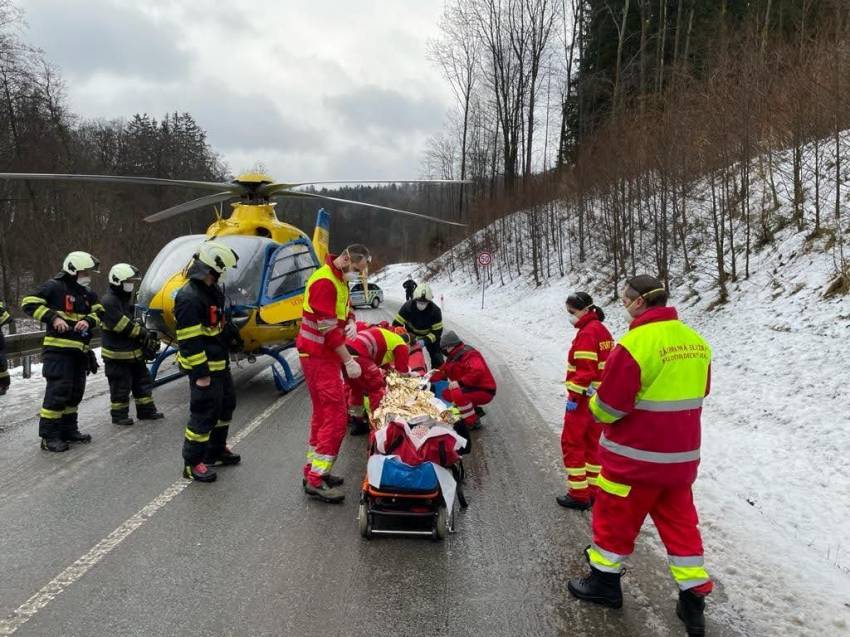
265, 292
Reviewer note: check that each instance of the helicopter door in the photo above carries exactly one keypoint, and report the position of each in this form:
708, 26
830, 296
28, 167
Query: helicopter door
287, 271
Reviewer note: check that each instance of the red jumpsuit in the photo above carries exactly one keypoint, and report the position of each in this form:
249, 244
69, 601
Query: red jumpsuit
374, 348
650, 403
326, 311
580, 436
466, 366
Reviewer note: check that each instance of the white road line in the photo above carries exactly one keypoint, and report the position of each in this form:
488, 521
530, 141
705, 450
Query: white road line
75, 571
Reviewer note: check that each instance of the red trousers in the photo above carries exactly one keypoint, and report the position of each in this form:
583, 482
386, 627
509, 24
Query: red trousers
617, 520
580, 446
370, 383
466, 400
323, 377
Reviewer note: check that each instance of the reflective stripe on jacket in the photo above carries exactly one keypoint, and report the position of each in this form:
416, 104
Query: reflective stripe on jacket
650, 402
588, 355
325, 312
199, 313
383, 347
62, 297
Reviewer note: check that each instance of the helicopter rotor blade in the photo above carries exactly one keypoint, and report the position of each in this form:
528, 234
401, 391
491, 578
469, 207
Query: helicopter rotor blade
200, 202
271, 189
311, 195
116, 179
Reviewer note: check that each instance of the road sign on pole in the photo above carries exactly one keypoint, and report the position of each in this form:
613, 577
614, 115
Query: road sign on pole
484, 260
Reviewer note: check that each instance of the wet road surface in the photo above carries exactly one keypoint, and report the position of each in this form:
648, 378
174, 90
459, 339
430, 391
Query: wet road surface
252, 555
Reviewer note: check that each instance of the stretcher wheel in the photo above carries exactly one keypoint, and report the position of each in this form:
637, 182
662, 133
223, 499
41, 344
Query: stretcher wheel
441, 524
363, 521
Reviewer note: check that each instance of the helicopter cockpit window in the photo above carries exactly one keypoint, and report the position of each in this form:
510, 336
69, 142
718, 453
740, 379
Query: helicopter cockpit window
291, 266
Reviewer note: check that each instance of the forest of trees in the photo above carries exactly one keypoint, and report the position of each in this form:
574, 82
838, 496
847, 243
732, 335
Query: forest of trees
655, 131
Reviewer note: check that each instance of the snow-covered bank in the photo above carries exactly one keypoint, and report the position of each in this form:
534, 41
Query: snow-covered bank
774, 486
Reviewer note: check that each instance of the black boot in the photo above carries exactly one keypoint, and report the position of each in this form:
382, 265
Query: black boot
124, 421
199, 472
358, 426
567, 501
54, 444
76, 436
691, 608
150, 415
598, 587
225, 457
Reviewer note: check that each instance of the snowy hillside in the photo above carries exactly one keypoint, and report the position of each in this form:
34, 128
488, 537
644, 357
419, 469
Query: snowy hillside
774, 485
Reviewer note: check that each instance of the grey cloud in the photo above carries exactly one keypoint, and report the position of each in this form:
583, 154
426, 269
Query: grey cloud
386, 109
99, 36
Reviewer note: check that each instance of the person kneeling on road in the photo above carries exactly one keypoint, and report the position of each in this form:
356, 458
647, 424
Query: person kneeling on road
204, 338
374, 348
471, 383
123, 352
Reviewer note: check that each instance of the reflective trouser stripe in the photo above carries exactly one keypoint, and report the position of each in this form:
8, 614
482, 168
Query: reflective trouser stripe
216, 366
193, 437
322, 464
144, 400
592, 471
4, 374
119, 406
50, 414
688, 570
311, 453
222, 423
614, 488
605, 561
69, 410
575, 471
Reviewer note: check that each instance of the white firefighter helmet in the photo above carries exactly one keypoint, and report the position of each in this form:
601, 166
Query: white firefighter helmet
423, 293
122, 272
217, 256
78, 261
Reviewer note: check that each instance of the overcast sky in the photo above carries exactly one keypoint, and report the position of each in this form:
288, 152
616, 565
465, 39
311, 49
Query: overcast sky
313, 89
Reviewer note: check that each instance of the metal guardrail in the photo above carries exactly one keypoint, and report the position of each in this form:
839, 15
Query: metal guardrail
26, 346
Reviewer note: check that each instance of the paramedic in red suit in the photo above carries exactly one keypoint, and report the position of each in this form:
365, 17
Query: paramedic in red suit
580, 436
471, 384
327, 322
650, 406
374, 349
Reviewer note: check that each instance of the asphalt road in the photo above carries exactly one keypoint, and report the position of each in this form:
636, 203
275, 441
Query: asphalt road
108, 540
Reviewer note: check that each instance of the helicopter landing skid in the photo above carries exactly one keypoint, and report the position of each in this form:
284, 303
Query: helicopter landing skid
159, 360
286, 381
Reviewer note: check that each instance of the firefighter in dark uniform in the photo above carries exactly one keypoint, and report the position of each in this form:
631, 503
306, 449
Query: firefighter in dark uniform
409, 287
5, 319
70, 311
423, 319
204, 341
123, 351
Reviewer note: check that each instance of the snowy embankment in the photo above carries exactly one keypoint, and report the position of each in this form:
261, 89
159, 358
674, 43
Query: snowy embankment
774, 485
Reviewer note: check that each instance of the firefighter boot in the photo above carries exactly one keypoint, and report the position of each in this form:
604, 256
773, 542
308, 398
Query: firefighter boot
150, 415
54, 444
324, 492
358, 426
567, 501
199, 472
76, 436
222, 458
691, 608
122, 420
598, 587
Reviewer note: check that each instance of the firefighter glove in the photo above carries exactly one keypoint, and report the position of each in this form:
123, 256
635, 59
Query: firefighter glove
93, 365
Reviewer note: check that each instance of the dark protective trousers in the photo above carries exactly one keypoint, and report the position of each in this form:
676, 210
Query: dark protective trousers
437, 358
4, 374
210, 412
127, 377
65, 373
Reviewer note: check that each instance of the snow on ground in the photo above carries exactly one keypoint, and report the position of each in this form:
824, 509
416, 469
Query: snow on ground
774, 485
